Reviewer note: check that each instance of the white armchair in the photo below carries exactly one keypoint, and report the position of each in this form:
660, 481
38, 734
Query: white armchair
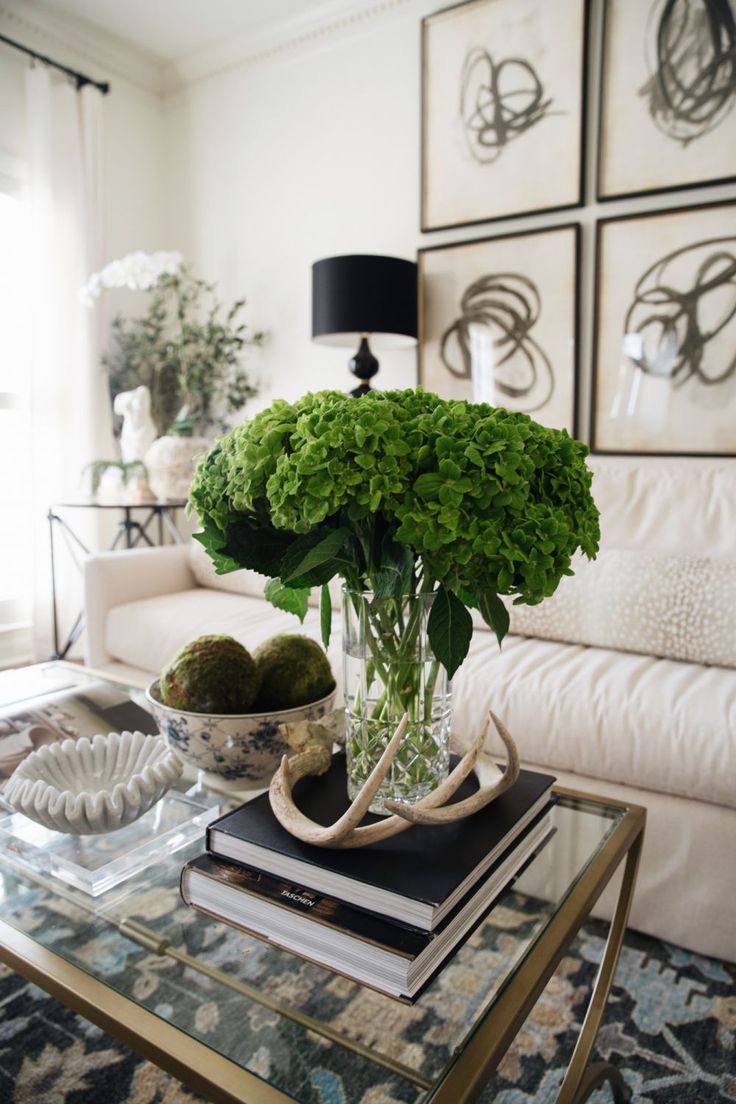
142, 605
115, 579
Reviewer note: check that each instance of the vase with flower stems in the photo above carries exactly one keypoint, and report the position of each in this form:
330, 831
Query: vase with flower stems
426, 508
389, 669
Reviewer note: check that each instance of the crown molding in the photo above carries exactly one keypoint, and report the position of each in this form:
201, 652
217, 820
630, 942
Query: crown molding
274, 38
80, 45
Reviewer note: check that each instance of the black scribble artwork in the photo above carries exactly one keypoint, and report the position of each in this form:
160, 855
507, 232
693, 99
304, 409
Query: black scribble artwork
498, 102
693, 84
681, 304
508, 305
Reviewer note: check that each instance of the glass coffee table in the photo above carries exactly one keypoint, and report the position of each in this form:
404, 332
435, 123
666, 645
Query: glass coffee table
241, 1021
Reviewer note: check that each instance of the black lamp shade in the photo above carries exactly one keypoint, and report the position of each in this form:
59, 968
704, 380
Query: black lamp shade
364, 294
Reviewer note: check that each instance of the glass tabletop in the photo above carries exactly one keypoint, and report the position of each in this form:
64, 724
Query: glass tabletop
299, 1027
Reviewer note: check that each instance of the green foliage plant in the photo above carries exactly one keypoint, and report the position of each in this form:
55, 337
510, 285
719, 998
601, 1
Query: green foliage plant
399, 493
187, 350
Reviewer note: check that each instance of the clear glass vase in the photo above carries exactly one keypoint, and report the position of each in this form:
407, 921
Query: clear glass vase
389, 670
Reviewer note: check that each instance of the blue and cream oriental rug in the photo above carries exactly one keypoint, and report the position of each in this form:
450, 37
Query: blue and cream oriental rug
670, 1025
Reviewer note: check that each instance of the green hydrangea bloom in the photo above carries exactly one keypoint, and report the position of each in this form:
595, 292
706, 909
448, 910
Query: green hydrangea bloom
398, 489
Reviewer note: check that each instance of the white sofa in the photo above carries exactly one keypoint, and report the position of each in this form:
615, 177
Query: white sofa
623, 684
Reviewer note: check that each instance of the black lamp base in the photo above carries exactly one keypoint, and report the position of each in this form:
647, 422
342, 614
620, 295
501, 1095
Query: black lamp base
363, 365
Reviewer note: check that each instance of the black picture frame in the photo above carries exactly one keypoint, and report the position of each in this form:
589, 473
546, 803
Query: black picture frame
647, 145
509, 304
648, 269
560, 190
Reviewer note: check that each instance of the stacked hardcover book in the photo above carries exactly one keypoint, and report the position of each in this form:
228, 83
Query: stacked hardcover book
387, 915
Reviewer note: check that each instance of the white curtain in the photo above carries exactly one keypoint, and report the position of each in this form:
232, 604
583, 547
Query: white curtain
70, 413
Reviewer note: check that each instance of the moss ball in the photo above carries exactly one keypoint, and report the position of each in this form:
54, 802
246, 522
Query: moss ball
293, 671
212, 674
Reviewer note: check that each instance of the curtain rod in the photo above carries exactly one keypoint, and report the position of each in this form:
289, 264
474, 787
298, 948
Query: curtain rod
80, 78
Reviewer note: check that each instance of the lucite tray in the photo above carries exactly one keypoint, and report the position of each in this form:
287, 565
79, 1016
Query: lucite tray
95, 864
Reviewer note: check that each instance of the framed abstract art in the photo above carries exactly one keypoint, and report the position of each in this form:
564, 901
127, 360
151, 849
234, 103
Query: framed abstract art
502, 110
668, 96
498, 322
665, 333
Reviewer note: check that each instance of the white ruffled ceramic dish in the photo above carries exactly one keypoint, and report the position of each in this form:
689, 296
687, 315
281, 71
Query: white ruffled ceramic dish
84, 786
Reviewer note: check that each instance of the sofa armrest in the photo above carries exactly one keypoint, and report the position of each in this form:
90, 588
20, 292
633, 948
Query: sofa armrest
113, 578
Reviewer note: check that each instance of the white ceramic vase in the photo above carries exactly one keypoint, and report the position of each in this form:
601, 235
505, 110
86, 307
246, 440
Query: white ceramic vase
170, 462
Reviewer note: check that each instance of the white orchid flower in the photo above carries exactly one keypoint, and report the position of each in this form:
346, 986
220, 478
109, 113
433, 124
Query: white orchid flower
138, 271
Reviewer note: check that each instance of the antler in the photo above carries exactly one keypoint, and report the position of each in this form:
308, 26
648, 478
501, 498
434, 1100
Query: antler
335, 834
485, 769
345, 833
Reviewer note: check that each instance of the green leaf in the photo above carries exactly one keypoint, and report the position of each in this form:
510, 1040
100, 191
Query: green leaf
259, 549
495, 614
394, 575
468, 599
428, 484
212, 542
312, 551
318, 576
291, 599
449, 628
325, 615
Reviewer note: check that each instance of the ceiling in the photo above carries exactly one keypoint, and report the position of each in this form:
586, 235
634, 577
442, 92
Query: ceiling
171, 29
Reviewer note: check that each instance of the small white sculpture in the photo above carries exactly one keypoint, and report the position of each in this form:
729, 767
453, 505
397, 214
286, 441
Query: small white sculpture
139, 432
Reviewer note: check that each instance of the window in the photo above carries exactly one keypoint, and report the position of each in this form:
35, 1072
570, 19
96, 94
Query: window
16, 518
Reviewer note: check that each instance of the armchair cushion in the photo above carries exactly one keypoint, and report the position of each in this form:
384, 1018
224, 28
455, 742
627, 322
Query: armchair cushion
149, 633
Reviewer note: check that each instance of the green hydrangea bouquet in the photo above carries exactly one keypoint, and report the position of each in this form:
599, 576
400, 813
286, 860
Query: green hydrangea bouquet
403, 495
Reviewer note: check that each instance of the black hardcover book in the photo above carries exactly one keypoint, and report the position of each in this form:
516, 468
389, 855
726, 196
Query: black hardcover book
392, 957
416, 877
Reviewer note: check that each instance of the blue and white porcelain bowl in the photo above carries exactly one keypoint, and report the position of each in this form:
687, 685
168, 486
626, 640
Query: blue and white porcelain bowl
234, 749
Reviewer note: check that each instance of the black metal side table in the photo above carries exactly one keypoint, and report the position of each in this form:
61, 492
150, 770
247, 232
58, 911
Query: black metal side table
132, 530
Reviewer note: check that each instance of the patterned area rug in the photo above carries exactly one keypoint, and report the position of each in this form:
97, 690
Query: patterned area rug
670, 1024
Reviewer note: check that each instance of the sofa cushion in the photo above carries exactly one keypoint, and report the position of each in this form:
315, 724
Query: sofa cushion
666, 504
149, 633
679, 606
652, 723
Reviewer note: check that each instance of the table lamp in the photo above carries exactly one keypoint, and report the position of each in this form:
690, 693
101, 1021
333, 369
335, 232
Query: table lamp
363, 296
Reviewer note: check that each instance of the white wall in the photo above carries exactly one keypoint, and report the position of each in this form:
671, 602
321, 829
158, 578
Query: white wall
310, 153
313, 150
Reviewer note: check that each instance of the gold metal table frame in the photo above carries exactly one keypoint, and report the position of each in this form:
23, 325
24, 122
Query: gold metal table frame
225, 1082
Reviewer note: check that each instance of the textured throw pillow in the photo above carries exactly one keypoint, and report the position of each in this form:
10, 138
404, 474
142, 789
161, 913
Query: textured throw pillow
676, 606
